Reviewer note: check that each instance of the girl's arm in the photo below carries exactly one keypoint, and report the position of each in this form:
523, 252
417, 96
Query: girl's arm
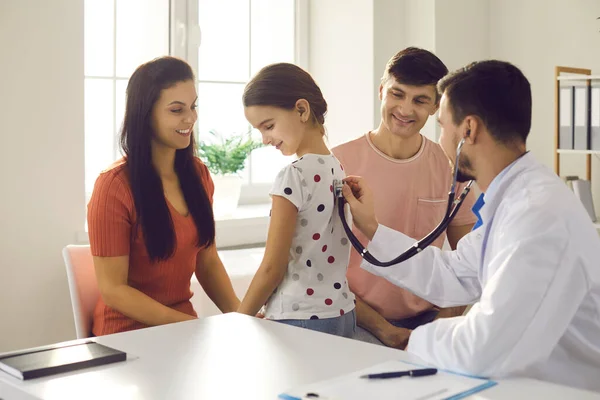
275, 262
211, 274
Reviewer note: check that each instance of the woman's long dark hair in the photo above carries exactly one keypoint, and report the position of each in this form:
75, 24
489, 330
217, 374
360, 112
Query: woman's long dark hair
152, 211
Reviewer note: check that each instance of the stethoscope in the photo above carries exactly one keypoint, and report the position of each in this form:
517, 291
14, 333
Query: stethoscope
451, 210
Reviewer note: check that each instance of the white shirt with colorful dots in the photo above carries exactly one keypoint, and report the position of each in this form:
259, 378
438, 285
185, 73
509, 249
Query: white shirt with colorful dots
315, 283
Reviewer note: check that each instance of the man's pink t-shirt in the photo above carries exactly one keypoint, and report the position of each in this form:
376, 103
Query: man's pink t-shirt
411, 197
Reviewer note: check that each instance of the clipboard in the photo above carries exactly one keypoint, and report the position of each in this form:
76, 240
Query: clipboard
442, 386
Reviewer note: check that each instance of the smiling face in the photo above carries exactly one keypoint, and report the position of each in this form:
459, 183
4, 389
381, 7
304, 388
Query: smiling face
281, 128
174, 115
405, 108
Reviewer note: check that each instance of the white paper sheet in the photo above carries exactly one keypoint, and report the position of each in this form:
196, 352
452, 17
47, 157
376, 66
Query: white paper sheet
442, 385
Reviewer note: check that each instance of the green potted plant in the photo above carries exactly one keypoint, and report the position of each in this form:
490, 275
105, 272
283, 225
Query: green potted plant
225, 158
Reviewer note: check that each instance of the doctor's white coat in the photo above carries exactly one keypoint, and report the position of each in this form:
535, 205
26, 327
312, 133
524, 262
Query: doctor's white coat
532, 271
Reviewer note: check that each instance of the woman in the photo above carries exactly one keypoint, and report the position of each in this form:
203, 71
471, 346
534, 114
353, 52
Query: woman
150, 217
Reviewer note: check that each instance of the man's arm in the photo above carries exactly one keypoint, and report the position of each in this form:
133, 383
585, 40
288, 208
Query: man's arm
372, 321
443, 278
533, 291
454, 234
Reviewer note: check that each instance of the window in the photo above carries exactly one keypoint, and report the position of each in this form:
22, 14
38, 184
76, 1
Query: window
119, 36
234, 40
237, 38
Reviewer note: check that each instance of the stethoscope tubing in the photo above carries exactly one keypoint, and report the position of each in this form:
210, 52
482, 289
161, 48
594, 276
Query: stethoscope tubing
452, 209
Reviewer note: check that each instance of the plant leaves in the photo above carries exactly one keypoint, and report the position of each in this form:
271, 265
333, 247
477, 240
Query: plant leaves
227, 155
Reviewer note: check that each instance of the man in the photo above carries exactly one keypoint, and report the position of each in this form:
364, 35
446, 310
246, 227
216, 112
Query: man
531, 265
410, 177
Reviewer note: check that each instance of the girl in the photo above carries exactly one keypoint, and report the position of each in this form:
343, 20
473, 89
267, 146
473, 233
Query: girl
302, 278
150, 217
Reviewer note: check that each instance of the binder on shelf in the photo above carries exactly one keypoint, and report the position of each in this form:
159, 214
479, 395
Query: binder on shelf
566, 117
581, 118
595, 117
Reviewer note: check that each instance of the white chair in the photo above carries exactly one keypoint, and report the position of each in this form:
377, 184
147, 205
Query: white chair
83, 287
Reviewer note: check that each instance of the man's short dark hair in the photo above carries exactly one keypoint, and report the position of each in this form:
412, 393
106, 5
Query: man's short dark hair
495, 91
416, 67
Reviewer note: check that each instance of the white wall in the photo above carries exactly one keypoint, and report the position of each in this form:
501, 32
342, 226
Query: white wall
388, 38
341, 61
536, 39
420, 23
456, 31
350, 45
41, 132
462, 33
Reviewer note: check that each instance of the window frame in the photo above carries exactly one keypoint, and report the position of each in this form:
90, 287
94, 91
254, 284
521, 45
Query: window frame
186, 38
250, 223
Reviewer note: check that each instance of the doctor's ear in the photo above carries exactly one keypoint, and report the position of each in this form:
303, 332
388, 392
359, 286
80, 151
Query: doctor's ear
472, 128
470, 136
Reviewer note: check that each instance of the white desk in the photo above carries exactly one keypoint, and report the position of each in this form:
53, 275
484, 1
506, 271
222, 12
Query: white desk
232, 357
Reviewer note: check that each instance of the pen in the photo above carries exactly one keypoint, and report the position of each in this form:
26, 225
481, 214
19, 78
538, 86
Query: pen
316, 396
398, 374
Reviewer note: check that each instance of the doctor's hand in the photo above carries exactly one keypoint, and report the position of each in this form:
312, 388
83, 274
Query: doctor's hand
360, 199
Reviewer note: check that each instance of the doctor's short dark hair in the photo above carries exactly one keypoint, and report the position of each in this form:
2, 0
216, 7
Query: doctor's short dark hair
495, 91
416, 67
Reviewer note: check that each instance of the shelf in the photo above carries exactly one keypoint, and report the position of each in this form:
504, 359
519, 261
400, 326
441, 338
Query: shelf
565, 151
578, 77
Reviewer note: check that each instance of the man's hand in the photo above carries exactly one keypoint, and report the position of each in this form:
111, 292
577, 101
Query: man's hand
450, 312
370, 320
395, 337
360, 199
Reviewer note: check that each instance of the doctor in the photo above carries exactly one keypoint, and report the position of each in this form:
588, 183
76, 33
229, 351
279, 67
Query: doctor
532, 263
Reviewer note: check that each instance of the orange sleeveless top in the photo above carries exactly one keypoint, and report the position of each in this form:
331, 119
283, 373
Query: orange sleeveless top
111, 220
